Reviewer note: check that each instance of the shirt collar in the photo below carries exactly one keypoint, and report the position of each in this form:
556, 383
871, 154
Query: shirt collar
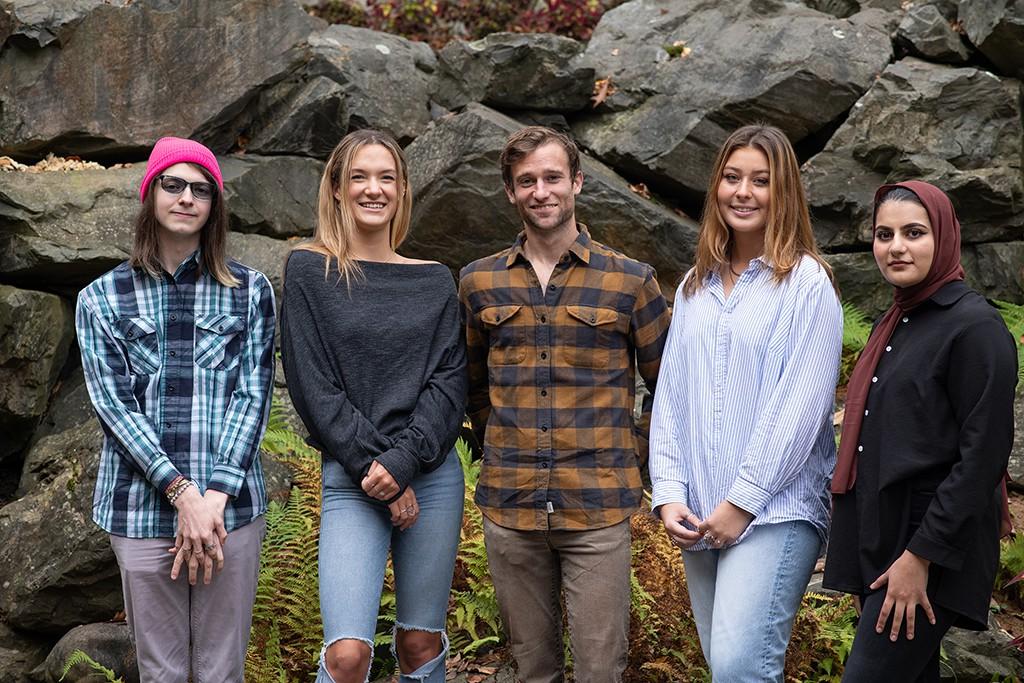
950, 293
580, 248
191, 263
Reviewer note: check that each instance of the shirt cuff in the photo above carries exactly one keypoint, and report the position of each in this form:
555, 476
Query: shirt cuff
227, 479
936, 552
400, 465
669, 492
162, 473
748, 496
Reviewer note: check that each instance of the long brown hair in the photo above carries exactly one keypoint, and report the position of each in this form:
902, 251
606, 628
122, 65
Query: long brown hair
335, 223
788, 235
212, 237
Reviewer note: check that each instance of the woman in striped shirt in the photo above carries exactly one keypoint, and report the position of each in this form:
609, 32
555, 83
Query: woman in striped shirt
742, 444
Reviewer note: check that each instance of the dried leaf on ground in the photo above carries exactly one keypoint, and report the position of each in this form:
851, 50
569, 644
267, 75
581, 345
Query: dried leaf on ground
603, 89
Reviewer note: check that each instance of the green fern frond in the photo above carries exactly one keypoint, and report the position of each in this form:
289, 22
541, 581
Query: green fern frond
1013, 316
856, 327
78, 657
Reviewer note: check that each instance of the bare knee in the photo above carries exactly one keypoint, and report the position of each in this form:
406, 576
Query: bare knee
348, 661
416, 648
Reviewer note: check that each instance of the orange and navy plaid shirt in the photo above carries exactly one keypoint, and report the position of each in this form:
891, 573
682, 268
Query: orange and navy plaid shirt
552, 383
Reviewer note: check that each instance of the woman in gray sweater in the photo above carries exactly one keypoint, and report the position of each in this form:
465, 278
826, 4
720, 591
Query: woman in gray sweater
375, 364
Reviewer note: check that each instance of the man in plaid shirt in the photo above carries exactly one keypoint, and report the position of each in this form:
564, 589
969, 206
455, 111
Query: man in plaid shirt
177, 348
556, 326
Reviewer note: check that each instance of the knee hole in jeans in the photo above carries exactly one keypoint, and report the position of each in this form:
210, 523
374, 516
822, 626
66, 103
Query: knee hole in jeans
348, 660
415, 647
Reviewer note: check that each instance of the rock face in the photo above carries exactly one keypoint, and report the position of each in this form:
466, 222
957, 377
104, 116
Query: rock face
39, 23
958, 128
515, 71
109, 644
928, 34
461, 213
685, 74
997, 28
66, 228
36, 330
230, 51
56, 566
19, 653
262, 253
980, 656
274, 196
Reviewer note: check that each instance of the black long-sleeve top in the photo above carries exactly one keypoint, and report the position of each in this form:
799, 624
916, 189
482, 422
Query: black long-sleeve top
376, 369
936, 437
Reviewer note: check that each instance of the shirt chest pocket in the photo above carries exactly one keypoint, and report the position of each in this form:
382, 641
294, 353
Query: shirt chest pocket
595, 337
506, 333
140, 340
218, 341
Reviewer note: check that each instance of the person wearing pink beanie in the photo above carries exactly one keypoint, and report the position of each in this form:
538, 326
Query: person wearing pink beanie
177, 348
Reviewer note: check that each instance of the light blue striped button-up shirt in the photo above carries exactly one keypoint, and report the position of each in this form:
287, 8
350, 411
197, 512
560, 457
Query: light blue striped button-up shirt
745, 396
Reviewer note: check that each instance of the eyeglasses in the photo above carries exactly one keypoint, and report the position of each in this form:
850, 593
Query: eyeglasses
201, 191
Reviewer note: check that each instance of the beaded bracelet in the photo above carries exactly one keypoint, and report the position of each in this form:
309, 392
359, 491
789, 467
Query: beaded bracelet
179, 489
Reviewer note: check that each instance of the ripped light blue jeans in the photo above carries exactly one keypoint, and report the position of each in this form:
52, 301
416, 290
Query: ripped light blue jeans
355, 536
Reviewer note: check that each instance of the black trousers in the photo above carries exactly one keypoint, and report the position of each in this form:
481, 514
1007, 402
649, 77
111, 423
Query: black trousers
876, 659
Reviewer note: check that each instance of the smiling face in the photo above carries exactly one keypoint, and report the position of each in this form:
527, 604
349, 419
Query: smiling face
904, 242
544, 189
181, 216
744, 191
371, 188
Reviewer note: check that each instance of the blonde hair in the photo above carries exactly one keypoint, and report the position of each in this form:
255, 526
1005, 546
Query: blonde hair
335, 224
788, 235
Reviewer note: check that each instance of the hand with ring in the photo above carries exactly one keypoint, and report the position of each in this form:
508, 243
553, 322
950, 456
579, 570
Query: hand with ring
404, 510
725, 524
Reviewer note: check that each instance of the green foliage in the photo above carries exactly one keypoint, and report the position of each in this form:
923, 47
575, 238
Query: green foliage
822, 638
856, 330
1013, 316
438, 21
78, 657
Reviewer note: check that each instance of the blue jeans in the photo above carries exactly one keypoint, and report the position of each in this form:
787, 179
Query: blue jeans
355, 536
746, 596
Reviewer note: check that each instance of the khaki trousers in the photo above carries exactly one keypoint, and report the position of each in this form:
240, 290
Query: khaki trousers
168, 619
531, 569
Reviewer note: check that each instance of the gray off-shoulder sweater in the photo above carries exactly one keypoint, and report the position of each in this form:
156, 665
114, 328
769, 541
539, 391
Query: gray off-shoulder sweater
376, 369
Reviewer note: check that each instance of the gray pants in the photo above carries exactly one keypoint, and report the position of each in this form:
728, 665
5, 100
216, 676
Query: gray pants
531, 569
169, 620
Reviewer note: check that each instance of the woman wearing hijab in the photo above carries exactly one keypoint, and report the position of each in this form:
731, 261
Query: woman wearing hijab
917, 492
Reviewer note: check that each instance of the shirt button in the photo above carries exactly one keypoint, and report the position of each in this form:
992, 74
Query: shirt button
906, 320
866, 413
860, 449
173, 317
543, 318
551, 288
543, 392
543, 428
874, 379
170, 390
172, 354
167, 425
544, 465
543, 355
888, 349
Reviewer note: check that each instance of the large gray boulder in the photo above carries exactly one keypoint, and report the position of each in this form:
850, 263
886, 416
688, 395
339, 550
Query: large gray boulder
981, 656
928, 34
687, 73
461, 211
537, 71
56, 566
262, 253
41, 22
20, 652
997, 29
958, 128
274, 196
108, 644
189, 68
66, 229
36, 330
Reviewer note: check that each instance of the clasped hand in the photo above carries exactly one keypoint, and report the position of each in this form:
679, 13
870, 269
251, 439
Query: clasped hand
201, 535
380, 485
723, 526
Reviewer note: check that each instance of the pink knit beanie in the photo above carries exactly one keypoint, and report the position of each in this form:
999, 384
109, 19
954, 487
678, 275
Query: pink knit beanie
170, 151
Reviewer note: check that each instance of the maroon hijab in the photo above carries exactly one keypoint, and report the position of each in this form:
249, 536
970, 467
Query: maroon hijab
945, 268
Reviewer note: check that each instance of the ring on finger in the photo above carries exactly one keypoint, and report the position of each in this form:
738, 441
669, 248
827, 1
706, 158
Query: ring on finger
208, 547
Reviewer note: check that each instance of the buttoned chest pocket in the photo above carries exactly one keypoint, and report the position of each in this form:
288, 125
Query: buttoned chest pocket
142, 346
218, 341
596, 336
506, 333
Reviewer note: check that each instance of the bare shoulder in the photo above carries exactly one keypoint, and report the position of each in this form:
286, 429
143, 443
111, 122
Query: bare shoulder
415, 261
